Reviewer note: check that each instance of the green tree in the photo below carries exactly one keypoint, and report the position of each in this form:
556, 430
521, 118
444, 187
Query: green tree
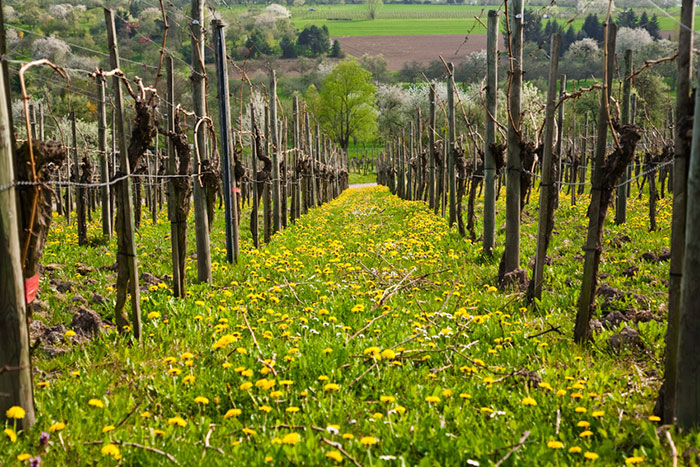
347, 104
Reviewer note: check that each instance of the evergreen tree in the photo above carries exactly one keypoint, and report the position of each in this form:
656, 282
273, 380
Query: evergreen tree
313, 41
289, 50
652, 27
567, 39
532, 30
592, 28
335, 50
627, 19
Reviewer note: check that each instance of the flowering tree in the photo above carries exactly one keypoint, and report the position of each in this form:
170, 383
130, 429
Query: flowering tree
632, 39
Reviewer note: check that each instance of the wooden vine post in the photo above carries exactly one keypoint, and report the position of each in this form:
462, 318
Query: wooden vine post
584, 156
682, 126
593, 247
80, 190
687, 406
489, 234
450, 147
275, 156
514, 164
254, 224
201, 220
621, 207
295, 160
127, 262
432, 199
560, 136
546, 211
16, 381
102, 147
229, 195
178, 276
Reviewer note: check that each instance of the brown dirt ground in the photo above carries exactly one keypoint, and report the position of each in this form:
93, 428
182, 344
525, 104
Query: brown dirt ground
399, 50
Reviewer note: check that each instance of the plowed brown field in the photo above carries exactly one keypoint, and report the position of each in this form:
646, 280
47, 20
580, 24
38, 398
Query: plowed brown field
399, 50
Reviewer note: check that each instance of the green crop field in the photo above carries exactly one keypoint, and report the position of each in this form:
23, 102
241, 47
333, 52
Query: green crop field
395, 19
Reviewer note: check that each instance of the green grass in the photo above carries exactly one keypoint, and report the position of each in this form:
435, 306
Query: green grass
400, 19
351, 20
361, 178
377, 296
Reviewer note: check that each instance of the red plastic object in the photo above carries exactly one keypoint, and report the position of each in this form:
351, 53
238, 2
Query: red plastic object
31, 286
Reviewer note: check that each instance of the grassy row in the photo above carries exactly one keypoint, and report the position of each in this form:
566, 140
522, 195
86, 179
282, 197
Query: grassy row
369, 323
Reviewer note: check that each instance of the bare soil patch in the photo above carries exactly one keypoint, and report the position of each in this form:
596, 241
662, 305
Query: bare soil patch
399, 50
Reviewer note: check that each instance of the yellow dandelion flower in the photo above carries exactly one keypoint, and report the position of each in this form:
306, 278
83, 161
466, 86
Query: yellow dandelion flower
432, 399
291, 438
57, 427
598, 413
586, 434
10, 434
331, 387
232, 413
529, 401
335, 455
368, 440
111, 450
387, 398
575, 450
590, 455
654, 418
179, 421
16, 412
23, 457
555, 444
247, 385
96, 403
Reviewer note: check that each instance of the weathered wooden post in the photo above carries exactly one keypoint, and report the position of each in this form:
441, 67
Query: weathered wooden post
514, 164
450, 146
683, 119
230, 198
267, 188
127, 261
197, 78
178, 279
490, 141
102, 147
546, 212
560, 136
254, 167
80, 190
296, 191
16, 379
432, 199
621, 208
275, 152
592, 248
584, 156
420, 170
687, 406
317, 157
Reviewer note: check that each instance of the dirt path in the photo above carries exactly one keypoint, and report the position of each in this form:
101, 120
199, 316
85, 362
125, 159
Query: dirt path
363, 185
